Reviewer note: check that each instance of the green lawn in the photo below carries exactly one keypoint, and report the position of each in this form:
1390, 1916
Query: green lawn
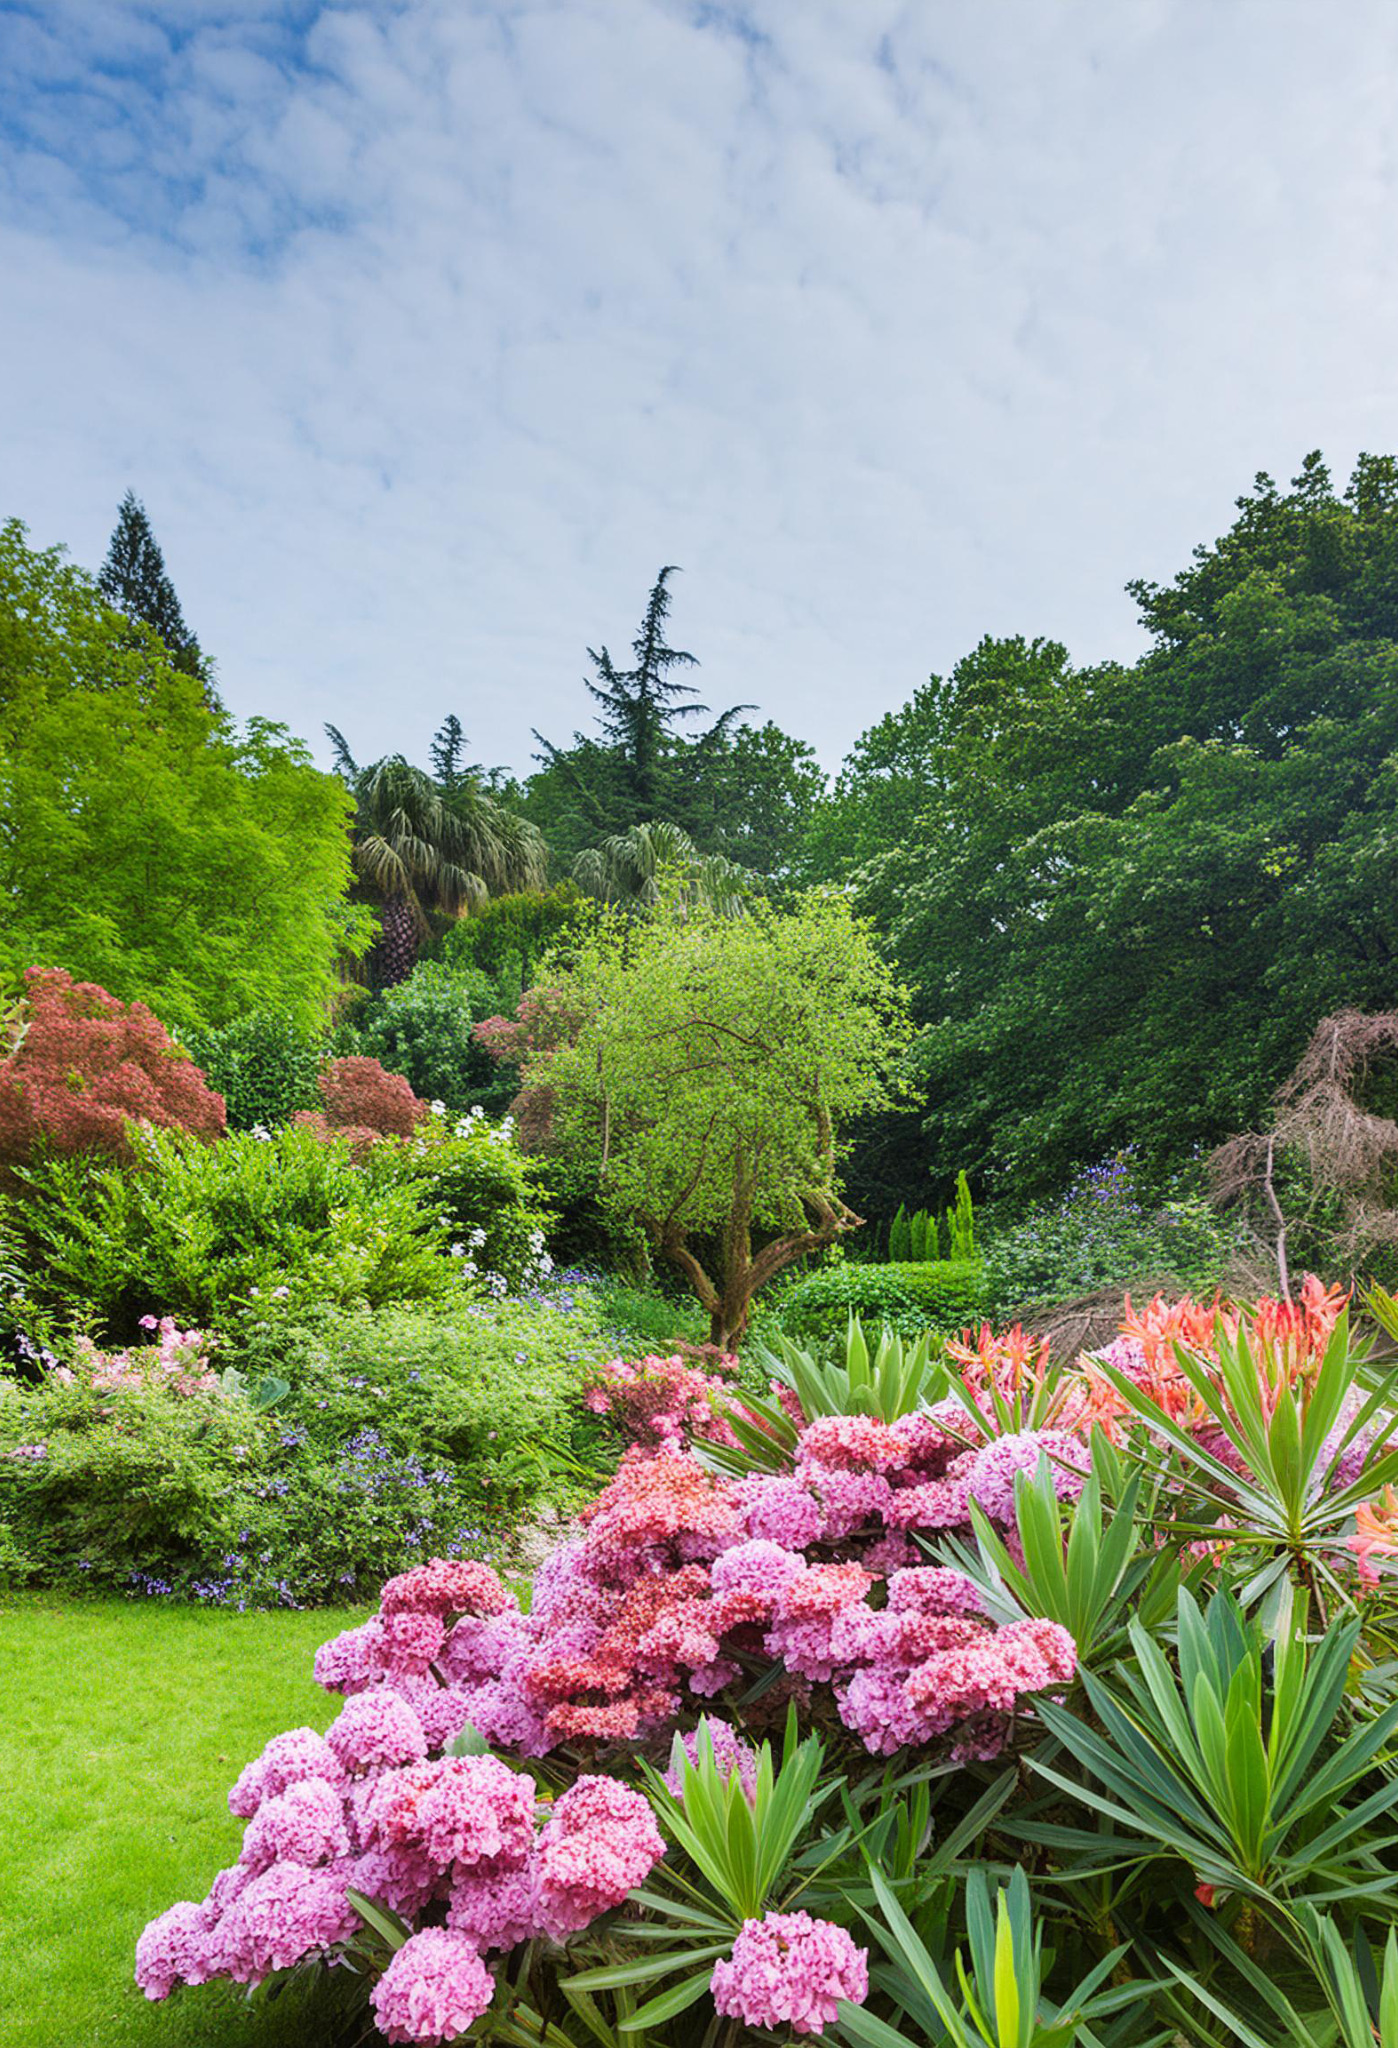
121, 1729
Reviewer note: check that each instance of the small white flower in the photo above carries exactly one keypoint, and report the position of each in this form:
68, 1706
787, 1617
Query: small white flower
437, 1108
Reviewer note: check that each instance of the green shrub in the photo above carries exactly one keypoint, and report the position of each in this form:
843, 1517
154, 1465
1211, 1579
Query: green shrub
646, 1319
263, 1065
421, 1028
201, 1232
406, 1433
909, 1297
508, 936
474, 1177
1105, 1231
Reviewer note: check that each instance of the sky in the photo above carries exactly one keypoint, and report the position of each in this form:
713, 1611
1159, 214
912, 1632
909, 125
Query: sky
428, 330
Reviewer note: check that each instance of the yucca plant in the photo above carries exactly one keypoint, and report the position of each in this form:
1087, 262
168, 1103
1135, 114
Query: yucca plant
896, 1377
1091, 1576
1237, 1766
1003, 2003
1360, 1995
1289, 1430
739, 1840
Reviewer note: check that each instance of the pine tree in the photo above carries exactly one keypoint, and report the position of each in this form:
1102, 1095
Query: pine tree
447, 749
134, 580
640, 709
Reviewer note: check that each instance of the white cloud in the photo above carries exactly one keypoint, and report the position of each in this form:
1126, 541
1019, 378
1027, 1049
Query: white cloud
429, 330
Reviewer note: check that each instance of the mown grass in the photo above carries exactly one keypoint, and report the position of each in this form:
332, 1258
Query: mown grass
121, 1729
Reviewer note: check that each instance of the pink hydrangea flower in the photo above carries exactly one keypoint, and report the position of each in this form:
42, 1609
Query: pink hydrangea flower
299, 1753
374, 1728
598, 1844
401, 1879
496, 1908
352, 1660
175, 1949
433, 1990
461, 1809
304, 1824
789, 1970
447, 1586
410, 1640
285, 1913
779, 1510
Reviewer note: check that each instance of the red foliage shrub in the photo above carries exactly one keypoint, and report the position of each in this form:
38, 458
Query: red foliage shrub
363, 1103
87, 1067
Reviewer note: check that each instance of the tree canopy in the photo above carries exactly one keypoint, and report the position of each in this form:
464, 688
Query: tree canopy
1128, 894
146, 843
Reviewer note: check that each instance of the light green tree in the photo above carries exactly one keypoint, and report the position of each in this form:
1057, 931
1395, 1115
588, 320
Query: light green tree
145, 842
712, 1068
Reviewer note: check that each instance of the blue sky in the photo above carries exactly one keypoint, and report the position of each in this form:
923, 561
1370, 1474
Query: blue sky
429, 330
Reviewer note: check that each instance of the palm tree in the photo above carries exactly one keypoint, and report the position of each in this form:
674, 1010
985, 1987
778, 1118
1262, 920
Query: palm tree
421, 849
631, 870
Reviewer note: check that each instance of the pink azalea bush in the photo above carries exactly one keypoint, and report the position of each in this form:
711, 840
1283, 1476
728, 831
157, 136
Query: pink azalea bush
678, 1585
496, 1775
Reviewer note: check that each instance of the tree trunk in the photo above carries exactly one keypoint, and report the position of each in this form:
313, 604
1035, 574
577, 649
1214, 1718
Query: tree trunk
728, 1300
394, 954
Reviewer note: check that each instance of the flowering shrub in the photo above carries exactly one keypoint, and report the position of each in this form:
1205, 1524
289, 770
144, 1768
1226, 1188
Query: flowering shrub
1105, 1231
87, 1068
693, 1610
483, 1190
397, 1434
658, 1401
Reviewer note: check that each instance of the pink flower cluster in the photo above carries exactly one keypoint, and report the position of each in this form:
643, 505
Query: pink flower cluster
789, 1970
661, 1401
177, 1362
681, 1582
368, 1807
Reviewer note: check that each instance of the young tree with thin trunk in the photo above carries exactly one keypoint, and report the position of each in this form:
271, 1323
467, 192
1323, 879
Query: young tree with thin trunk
716, 1064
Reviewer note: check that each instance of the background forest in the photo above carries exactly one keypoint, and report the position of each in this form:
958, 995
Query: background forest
1120, 897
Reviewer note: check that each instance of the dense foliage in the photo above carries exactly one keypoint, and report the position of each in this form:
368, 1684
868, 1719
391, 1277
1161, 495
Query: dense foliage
707, 1066
145, 843
205, 1232
1125, 896
305, 1462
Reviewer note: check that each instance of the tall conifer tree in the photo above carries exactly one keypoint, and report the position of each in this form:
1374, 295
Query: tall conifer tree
134, 580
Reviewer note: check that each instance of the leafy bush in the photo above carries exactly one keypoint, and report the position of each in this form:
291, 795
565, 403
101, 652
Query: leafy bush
508, 937
644, 1318
396, 1433
264, 1066
471, 1172
940, 1294
422, 1028
363, 1103
201, 1232
86, 1068
1105, 1232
